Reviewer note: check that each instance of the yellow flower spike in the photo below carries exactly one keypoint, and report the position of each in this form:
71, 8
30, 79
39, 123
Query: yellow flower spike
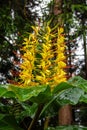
45, 68
26, 75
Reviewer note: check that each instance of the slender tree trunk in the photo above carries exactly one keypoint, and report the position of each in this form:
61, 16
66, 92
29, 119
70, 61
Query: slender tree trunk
65, 115
65, 112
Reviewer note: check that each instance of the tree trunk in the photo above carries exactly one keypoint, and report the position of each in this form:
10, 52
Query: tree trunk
57, 10
65, 115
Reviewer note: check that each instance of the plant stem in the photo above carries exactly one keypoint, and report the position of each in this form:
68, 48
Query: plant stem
35, 119
46, 122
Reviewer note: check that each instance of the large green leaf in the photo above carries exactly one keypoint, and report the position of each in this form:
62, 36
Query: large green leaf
24, 94
27, 93
42, 97
78, 82
67, 96
4, 91
75, 127
29, 110
62, 86
63, 94
70, 96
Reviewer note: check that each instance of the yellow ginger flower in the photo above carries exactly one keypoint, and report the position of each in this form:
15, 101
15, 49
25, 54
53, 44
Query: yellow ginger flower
59, 74
45, 62
28, 60
40, 66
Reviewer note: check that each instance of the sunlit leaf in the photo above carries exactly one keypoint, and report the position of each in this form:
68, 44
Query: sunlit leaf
3, 89
70, 96
27, 93
78, 82
62, 86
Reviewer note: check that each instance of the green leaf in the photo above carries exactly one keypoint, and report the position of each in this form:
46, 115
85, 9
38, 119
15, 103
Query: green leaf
78, 82
39, 94
64, 93
9, 94
62, 86
2, 116
9, 123
42, 97
75, 127
70, 96
3, 89
29, 110
27, 93
84, 98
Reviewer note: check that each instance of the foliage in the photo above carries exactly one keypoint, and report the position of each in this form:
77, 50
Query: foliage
68, 128
76, 88
8, 122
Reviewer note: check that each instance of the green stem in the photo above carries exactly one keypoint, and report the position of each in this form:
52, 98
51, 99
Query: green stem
35, 119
